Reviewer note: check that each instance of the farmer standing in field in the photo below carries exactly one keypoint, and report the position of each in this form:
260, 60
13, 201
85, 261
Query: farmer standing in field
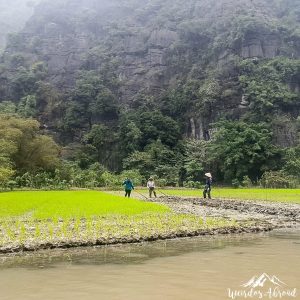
207, 187
151, 187
128, 187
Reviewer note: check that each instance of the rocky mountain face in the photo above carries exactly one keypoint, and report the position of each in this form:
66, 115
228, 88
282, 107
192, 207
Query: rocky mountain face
154, 47
13, 16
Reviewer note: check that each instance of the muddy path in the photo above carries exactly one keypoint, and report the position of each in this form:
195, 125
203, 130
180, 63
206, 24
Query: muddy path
277, 214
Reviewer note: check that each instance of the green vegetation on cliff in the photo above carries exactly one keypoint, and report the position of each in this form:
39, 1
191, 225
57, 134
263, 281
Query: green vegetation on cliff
161, 88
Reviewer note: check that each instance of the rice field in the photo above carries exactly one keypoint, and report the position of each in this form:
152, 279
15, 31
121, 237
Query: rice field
277, 195
32, 219
71, 204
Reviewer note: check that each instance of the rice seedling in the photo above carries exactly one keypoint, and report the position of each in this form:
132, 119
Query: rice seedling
37, 233
22, 234
84, 219
52, 204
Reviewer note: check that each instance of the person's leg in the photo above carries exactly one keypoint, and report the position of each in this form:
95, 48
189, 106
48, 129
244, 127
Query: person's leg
150, 192
208, 193
204, 193
129, 192
154, 193
125, 193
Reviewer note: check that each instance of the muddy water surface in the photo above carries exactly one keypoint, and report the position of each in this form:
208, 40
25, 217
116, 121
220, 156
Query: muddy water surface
197, 268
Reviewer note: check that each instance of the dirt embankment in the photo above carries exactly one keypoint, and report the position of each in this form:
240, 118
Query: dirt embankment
246, 228
276, 214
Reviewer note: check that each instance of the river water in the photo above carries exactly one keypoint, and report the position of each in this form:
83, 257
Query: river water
207, 268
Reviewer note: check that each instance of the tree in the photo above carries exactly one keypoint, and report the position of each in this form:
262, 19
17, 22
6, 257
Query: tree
103, 106
242, 149
27, 106
268, 86
92, 101
5, 174
141, 161
6, 170
292, 161
23, 83
39, 153
86, 90
101, 139
157, 159
7, 107
209, 93
154, 125
24, 147
129, 136
196, 159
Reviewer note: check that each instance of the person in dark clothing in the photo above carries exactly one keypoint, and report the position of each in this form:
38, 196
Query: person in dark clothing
207, 187
128, 187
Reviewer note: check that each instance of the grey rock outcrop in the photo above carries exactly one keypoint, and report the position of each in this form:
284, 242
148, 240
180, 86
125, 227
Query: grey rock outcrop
153, 46
260, 45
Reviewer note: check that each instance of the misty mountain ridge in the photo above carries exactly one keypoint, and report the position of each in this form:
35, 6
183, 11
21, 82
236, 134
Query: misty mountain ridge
13, 16
80, 64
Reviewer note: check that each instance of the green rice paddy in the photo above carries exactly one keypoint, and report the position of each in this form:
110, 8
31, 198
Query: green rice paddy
35, 218
277, 195
71, 204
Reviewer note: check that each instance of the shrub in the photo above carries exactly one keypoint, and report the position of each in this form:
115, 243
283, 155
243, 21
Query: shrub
189, 184
278, 179
5, 174
11, 184
161, 182
134, 175
247, 182
110, 180
235, 183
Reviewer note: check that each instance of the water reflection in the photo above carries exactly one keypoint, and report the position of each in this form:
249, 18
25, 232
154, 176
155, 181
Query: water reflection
138, 253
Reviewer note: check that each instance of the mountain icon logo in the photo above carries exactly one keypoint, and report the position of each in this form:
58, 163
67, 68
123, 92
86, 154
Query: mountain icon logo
260, 281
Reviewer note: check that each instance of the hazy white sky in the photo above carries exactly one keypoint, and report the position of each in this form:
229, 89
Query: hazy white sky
13, 16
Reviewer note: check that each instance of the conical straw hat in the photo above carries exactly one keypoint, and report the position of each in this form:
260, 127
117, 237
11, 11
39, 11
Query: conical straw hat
208, 175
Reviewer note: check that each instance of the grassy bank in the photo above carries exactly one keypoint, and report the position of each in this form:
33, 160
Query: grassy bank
279, 195
31, 219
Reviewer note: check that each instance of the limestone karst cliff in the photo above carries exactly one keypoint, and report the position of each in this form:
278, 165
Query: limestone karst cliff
154, 49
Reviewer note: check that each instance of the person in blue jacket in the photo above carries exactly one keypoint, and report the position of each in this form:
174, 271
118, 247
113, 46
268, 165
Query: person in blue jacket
128, 187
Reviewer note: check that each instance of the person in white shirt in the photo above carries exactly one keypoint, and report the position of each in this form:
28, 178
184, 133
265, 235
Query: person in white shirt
151, 187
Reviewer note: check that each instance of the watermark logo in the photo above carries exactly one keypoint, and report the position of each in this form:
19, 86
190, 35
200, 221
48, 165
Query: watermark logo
261, 280
263, 287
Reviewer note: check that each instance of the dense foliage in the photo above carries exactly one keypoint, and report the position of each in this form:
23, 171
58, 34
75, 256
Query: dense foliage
154, 87
24, 149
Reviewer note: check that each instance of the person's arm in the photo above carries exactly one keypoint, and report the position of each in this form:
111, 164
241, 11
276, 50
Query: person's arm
209, 182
